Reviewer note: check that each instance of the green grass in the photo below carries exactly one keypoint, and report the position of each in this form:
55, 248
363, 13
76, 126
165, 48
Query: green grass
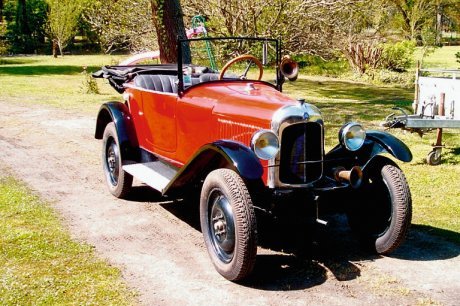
41, 265
443, 57
55, 81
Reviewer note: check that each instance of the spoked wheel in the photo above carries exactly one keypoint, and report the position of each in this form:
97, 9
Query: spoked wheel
228, 224
118, 181
382, 209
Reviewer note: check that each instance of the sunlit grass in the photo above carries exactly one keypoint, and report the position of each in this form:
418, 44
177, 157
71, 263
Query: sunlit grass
54, 81
41, 265
443, 57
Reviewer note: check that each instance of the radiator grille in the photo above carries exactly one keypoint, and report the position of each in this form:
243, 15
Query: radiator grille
301, 153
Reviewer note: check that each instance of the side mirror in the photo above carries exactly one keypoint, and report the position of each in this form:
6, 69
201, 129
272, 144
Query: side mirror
289, 68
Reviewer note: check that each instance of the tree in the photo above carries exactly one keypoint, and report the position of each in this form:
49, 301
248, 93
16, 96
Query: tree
63, 18
169, 25
131, 30
25, 25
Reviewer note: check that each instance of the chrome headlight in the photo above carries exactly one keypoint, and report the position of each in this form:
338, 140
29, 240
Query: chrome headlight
352, 136
265, 144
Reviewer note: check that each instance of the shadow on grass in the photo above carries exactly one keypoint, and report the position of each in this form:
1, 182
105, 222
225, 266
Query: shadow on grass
354, 91
17, 61
45, 70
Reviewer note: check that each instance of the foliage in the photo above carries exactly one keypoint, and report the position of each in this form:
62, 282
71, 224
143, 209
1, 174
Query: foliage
4, 46
63, 18
398, 56
41, 265
25, 25
363, 56
315, 27
457, 55
89, 83
122, 24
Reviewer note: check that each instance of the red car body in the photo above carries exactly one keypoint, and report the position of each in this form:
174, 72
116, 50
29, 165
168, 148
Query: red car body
243, 144
220, 110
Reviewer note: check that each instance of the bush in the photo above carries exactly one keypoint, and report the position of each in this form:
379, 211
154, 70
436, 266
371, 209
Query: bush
3, 43
457, 55
397, 56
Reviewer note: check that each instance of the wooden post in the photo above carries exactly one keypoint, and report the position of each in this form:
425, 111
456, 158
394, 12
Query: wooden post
440, 113
416, 95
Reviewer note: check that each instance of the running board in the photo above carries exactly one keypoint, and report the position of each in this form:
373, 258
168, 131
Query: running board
156, 174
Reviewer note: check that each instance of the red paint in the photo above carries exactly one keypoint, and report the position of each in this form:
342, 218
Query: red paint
176, 127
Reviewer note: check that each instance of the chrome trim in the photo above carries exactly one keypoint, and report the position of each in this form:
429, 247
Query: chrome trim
256, 137
282, 118
344, 131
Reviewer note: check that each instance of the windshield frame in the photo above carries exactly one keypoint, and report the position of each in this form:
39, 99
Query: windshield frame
180, 64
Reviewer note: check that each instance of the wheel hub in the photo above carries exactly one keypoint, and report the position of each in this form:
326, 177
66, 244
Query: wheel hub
221, 227
112, 162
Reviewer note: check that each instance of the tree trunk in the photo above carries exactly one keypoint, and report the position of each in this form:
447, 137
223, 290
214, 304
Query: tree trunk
169, 25
1, 11
59, 43
54, 48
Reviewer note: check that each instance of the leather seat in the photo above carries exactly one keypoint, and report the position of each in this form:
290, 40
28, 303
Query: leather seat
157, 82
206, 77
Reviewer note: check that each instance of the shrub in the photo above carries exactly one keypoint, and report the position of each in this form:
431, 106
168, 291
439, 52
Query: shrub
398, 56
457, 55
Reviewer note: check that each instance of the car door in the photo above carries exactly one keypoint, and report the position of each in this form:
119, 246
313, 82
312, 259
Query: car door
159, 112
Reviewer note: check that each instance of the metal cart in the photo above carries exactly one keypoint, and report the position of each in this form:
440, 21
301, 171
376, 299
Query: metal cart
436, 106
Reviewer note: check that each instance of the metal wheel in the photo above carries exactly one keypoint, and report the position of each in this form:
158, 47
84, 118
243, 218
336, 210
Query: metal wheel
221, 226
228, 224
118, 181
434, 158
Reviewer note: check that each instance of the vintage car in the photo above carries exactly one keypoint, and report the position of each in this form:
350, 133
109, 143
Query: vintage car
239, 142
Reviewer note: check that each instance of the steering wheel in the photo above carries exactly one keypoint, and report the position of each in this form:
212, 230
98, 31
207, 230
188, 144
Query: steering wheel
250, 58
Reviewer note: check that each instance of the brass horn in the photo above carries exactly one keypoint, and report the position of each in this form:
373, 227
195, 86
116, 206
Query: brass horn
354, 176
289, 68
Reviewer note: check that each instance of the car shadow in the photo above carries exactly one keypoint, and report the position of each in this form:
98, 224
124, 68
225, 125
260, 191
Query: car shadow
299, 255
426, 243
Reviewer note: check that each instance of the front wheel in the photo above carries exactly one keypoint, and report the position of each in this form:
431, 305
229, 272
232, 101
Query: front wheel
381, 212
228, 224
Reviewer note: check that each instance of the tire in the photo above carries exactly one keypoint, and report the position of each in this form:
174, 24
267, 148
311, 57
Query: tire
381, 212
228, 224
118, 181
433, 158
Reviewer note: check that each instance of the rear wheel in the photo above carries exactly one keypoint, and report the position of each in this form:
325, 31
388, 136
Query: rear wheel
381, 212
228, 224
118, 181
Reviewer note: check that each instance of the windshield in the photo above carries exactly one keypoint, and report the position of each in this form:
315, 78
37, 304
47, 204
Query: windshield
229, 58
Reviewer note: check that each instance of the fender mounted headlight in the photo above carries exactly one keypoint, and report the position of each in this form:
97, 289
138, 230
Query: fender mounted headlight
352, 136
265, 144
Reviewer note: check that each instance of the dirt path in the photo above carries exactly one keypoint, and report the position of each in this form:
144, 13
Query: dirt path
159, 248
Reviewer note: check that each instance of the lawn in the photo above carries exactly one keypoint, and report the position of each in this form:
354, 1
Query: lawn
39, 262
435, 190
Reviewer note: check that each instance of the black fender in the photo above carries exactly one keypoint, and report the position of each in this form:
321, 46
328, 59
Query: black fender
118, 113
220, 154
376, 143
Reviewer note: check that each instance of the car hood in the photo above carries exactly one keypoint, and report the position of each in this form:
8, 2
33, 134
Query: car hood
250, 102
